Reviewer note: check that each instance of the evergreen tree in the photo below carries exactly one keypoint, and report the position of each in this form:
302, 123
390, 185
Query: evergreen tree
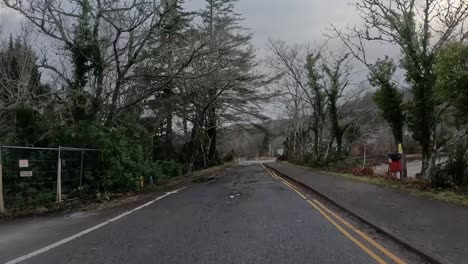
231, 54
22, 96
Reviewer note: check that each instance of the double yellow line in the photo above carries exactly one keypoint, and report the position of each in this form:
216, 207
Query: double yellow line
329, 215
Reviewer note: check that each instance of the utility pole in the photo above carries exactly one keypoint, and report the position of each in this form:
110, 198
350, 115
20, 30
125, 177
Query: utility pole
59, 177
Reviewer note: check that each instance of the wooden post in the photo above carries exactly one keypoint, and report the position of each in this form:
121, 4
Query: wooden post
2, 205
59, 178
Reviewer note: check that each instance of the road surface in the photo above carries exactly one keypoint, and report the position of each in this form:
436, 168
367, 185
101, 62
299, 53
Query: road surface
243, 216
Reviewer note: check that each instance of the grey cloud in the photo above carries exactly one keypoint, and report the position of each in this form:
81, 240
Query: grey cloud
295, 21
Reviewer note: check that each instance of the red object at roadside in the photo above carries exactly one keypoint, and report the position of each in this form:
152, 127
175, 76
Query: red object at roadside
395, 166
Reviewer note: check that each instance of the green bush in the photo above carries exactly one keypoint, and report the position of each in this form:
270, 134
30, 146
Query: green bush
453, 174
125, 157
170, 168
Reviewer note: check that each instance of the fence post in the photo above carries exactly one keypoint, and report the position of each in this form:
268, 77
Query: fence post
2, 205
59, 177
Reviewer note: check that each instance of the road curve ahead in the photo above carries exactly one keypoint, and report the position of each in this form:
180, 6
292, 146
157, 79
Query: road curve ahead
244, 216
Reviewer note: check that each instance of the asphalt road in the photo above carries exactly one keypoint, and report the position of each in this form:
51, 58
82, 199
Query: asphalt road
244, 216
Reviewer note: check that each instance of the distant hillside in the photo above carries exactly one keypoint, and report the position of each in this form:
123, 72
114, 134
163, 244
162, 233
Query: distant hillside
261, 140
254, 140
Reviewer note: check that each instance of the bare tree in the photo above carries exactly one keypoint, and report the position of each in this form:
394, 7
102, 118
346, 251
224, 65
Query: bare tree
318, 93
420, 29
104, 42
302, 95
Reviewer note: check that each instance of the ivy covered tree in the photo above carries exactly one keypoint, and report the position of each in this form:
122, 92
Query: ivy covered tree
336, 69
452, 78
317, 96
82, 56
387, 96
420, 30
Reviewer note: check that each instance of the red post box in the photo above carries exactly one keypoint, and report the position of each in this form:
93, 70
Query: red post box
395, 163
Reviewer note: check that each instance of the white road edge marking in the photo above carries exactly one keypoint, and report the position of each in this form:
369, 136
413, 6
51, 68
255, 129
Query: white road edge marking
89, 230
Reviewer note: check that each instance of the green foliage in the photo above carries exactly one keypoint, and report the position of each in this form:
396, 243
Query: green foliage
452, 77
454, 173
387, 97
318, 97
82, 56
125, 157
123, 74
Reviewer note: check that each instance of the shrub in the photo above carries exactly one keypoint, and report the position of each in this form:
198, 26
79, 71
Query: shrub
452, 174
283, 157
169, 168
124, 159
229, 157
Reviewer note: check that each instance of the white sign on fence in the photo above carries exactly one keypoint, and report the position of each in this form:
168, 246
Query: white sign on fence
23, 163
26, 173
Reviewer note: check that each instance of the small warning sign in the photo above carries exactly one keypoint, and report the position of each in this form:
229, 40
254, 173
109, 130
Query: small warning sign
400, 148
23, 163
26, 173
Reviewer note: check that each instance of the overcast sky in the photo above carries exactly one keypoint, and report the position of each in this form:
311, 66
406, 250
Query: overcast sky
295, 21
298, 21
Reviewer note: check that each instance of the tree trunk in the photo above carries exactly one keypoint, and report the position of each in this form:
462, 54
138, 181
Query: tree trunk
169, 136
212, 134
184, 121
428, 159
336, 133
317, 142
113, 106
339, 143
404, 173
192, 149
97, 98
328, 148
428, 164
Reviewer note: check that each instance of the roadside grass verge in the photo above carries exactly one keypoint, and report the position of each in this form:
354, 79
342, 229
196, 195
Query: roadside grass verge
412, 186
212, 170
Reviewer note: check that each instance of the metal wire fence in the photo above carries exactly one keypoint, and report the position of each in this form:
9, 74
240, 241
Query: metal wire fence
32, 177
